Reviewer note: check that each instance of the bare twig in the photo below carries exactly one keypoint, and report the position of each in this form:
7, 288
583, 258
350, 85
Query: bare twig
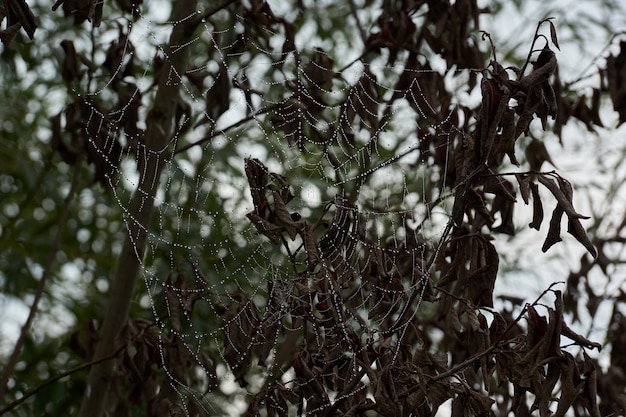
8, 370
238, 123
202, 17
362, 32
55, 378
583, 74
532, 48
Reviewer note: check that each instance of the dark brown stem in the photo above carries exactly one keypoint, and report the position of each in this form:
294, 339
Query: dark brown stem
532, 49
215, 133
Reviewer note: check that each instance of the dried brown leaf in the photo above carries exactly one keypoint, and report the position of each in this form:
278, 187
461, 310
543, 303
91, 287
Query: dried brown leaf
257, 179
524, 186
310, 246
554, 232
563, 200
537, 154
616, 78
537, 207
483, 273
570, 385
579, 339
590, 391
555, 41
280, 211
266, 228
19, 11
576, 229
7, 35
218, 95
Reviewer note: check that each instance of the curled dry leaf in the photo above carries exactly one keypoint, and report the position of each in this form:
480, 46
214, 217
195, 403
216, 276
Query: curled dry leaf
19, 13
7, 35
554, 231
559, 192
266, 228
82, 10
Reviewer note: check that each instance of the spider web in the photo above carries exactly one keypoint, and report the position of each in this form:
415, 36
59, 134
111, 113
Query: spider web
361, 170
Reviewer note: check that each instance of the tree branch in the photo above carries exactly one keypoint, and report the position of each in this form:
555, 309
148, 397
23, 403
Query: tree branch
55, 378
158, 151
8, 370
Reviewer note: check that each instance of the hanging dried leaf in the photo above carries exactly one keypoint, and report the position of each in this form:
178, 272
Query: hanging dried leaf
555, 41
218, 95
537, 154
554, 232
524, 186
616, 78
82, 10
282, 214
563, 201
570, 385
7, 35
576, 229
257, 175
537, 207
483, 273
18, 12
310, 246
266, 228
69, 69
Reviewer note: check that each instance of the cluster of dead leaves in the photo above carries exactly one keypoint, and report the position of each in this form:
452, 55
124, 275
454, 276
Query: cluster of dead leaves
87, 129
91, 10
345, 269
18, 15
331, 357
152, 362
536, 362
89, 138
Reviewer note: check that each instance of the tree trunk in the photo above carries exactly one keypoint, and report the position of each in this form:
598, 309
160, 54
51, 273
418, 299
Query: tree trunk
157, 153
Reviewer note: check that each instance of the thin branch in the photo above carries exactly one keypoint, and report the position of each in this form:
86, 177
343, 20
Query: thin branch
8, 370
583, 76
532, 48
221, 132
362, 32
198, 20
55, 378
160, 127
